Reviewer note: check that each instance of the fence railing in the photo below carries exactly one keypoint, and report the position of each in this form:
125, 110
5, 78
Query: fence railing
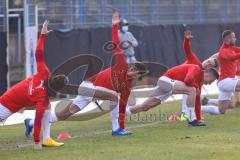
94, 13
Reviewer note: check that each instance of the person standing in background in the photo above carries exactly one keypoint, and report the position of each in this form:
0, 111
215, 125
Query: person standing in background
128, 41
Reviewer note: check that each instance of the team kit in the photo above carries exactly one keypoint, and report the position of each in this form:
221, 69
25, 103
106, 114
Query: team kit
114, 84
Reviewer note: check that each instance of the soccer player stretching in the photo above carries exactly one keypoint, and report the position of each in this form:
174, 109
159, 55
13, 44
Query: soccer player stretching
33, 91
191, 58
106, 85
183, 79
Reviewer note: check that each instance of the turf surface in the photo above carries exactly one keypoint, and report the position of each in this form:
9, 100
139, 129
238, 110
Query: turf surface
153, 138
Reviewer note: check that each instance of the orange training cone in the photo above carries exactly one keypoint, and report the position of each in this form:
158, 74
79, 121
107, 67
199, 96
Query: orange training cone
64, 136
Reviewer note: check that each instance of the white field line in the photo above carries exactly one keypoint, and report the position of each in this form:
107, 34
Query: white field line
100, 132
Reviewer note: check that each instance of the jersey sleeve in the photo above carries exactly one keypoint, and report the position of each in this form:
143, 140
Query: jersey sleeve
119, 58
122, 108
190, 55
41, 65
40, 109
228, 55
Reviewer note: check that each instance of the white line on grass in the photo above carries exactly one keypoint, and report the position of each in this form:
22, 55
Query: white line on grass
100, 132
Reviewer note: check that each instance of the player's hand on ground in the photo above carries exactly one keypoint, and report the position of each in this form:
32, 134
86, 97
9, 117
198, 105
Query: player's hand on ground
188, 34
115, 17
37, 146
45, 28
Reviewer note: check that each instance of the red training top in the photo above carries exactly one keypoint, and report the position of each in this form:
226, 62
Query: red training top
190, 55
31, 91
228, 61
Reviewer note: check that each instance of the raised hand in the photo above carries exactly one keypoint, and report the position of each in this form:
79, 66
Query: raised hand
115, 18
187, 34
45, 28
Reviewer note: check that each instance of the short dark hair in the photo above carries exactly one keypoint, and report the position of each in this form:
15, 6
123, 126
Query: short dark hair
55, 83
226, 33
213, 71
140, 66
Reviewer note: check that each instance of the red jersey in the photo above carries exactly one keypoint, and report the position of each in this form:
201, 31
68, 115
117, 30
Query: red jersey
228, 61
31, 91
193, 59
191, 75
115, 77
190, 55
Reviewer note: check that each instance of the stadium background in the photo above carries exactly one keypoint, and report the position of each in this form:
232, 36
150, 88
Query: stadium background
83, 26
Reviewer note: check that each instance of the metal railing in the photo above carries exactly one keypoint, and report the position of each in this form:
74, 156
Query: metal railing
97, 13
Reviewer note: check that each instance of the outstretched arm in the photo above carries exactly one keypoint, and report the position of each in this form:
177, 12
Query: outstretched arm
229, 56
119, 57
187, 48
41, 66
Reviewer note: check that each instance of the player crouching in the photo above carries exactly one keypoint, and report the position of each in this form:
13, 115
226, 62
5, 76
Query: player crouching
183, 79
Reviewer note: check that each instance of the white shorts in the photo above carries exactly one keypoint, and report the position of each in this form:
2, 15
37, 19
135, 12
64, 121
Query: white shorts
227, 88
4, 113
165, 88
86, 89
86, 93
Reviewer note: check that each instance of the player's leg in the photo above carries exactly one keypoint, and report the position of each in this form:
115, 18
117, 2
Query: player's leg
28, 127
87, 92
46, 127
206, 101
116, 130
184, 116
210, 109
182, 88
224, 101
163, 91
4, 113
78, 104
213, 101
226, 88
114, 117
102, 93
